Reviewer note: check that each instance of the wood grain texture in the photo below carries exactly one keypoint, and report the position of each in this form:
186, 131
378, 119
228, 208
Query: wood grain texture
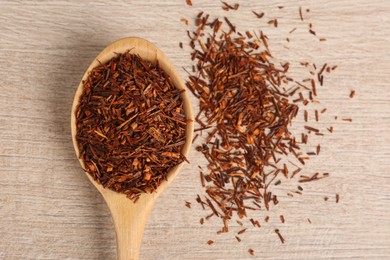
49, 209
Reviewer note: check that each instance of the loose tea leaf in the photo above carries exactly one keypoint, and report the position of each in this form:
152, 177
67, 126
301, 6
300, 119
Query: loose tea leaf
258, 15
280, 236
300, 13
228, 7
185, 21
130, 125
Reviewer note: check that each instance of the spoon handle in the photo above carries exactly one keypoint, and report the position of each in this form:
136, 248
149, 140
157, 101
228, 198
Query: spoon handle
129, 220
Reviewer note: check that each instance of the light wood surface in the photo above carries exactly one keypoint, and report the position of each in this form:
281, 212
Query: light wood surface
129, 218
49, 209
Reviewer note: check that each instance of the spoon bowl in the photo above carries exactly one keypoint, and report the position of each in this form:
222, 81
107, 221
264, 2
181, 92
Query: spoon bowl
130, 218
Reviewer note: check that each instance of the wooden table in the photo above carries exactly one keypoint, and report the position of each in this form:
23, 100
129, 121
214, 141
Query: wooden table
48, 208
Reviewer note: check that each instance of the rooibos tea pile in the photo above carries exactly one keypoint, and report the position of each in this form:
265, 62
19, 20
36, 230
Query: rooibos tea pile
130, 125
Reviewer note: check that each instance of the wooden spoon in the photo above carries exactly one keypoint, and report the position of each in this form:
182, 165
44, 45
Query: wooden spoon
129, 217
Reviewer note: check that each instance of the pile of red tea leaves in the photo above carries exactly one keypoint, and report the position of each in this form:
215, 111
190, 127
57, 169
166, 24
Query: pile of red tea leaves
246, 105
130, 125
